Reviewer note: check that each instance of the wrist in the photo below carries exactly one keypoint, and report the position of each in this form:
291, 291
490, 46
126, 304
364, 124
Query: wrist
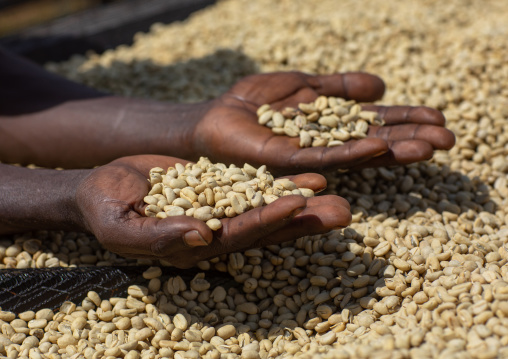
160, 128
34, 199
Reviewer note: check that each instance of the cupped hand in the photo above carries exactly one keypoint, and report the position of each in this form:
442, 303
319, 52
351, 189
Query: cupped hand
111, 204
229, 131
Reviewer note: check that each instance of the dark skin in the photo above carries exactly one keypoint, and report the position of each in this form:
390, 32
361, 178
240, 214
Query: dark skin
52, 122
113, 215
108, 202
411, 134
59, 118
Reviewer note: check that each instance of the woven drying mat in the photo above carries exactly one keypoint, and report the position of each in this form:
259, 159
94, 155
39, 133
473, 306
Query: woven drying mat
37, 288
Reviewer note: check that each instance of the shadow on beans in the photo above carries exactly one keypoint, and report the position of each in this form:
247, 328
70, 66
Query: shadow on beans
192, 80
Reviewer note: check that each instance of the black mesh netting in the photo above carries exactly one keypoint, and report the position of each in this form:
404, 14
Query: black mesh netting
37, 288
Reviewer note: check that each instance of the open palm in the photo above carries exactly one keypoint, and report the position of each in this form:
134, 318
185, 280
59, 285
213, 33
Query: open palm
229, 131
110, 200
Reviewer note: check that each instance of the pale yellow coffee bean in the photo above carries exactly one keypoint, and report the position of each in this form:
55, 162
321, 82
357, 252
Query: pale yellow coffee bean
290, 130
150, 200
241, 187
319, 142
262, 109
361, 126
300, 121
330, 121
349, 118
321, 103
183, 203
328, 338
174, 210
370, 116
66, 340
192, 181
225, 202
305, 139
226, 331
265, 117
257, 200
269, 198
79, 323
152, 272
155, 177
143, 334
238, 204
169, 193
214, 224
203, 213
340, 135
180, 322
334, 143
286, 183
307, 192
47, 313
137, 291
151, 210
189, 194
340, 110
307, 108
278, 119
358, 134
37, 323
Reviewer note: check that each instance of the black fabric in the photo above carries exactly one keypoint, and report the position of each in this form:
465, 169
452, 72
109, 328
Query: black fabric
38, 288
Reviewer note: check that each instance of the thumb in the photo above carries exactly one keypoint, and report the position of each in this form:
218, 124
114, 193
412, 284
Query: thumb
158, 238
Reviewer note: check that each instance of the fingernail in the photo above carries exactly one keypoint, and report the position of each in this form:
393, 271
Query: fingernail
194, 239
320, 190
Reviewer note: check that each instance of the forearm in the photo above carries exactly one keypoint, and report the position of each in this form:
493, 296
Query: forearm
33, 199
92, 132
50, 121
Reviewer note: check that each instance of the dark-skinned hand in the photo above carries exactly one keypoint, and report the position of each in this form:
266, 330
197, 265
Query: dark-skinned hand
59, 118
229, 131
110, 202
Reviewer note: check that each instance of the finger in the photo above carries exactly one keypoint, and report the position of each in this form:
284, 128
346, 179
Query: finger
440, 138
395, 115
156, 237
327, 158
330, 213
239, 233
401, 153
331, 200
314, 181
312, 220
144, 163
361, 87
